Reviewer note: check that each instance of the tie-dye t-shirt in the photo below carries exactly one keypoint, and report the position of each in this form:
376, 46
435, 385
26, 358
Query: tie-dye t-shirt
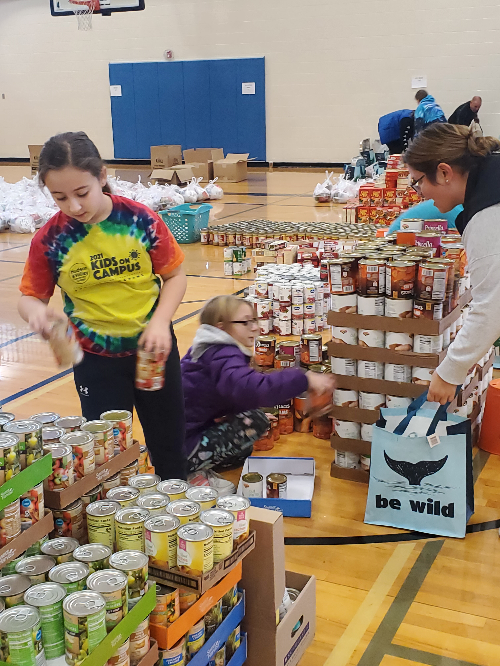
107, 272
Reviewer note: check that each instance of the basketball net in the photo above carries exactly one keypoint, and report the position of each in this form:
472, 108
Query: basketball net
83, 10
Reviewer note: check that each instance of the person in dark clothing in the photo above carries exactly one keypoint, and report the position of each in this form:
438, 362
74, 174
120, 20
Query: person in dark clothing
395, 129
466, 113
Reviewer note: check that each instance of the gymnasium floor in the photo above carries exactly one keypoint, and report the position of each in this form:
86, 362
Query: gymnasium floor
383, 597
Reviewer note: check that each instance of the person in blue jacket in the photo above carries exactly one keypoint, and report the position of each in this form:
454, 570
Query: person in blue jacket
427, 112
426, 210
396, 129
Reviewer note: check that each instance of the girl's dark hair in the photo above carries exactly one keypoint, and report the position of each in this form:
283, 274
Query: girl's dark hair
455, 145
73, 149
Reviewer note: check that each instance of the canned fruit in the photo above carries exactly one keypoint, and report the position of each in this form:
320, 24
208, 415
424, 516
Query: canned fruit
144, 483
123, 495
94, 555
205, 496
84, 624
32, 506
129, 526
48, 598
71, 575
167, 609
104, 441
70, 423
121, 656
68, 522
149, 370
12, 589
36, 568
112, 584
101, 522
10, 523
222, 524
161, 540
60, 549
184, 510
195, 549
62, 468
21, 636
139, 643
122, 427
174, 488
29, 434
135, 565
155, 503
82, 446
238, 506
10, 462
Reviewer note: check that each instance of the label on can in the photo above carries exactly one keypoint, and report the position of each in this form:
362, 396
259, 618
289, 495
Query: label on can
82, 634
52, 622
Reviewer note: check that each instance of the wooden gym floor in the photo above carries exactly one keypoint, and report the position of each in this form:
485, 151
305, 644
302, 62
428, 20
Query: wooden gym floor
383, 596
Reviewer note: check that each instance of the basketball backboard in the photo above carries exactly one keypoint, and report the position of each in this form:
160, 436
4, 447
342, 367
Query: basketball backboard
107, 7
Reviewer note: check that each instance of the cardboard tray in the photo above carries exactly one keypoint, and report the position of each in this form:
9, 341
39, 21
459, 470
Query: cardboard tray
355, 414
352, 445
202, 584
240, 656
220, 636
382, 355
26, 479
151, 659
358, 475
402, 389
419, 326
26, 539
58, 499
166, 637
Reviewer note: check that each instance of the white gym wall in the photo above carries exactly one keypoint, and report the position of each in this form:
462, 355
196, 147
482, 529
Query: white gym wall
332, 67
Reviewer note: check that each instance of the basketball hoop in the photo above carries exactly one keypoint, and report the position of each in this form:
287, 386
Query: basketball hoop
83, 10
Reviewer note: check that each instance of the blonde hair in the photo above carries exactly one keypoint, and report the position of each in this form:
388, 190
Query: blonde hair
455, 145
221, 310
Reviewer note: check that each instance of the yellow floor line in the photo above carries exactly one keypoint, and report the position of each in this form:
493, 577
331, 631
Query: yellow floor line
357, 627
41, 391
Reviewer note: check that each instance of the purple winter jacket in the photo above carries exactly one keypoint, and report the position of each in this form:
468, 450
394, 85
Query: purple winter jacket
218, 381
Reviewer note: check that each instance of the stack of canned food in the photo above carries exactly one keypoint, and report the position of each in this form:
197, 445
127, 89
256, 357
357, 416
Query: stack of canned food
289, 299
236, 261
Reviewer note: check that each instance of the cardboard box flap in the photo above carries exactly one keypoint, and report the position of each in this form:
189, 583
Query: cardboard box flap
234, 158
181, 174
203, 155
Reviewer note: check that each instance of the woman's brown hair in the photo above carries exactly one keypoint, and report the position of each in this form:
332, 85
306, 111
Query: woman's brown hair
73, 149
449, 144
221, 310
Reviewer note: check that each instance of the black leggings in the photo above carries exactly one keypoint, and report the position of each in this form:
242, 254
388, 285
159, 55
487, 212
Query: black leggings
105, 382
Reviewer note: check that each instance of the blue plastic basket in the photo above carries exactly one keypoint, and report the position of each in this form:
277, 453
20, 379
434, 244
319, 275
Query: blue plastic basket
186, 220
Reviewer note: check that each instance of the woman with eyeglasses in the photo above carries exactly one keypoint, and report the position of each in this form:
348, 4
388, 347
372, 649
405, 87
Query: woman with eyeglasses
223, 394
450, 165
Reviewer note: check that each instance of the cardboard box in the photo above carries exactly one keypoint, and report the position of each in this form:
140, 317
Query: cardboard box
352, 445
355, 414
58, 499
220, 636
264, 568
272, 645
403, 389
34, 158
163, 157
166, 637
174, 176
28, 478
232, 168
151, 659
26, 539
203, 160
358, 475
202, 584
382, 355
421, 326
300, 484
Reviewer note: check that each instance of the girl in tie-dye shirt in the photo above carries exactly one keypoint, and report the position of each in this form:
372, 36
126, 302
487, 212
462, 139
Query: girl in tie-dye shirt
120, 273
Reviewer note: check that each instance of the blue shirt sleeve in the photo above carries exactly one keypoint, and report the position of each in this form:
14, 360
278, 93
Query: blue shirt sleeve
426, 210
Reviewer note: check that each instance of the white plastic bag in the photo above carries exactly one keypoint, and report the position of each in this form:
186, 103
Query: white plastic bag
213, 190
323, 191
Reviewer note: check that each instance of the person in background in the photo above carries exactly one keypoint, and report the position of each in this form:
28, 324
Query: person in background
427, 112
466, 113
223, 393
452, 166
395, 129
121, 277
426, 210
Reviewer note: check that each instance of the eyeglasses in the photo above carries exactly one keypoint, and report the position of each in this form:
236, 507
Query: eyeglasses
246, 322
415, 184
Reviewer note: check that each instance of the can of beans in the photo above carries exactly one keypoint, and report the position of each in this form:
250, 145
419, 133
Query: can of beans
343, 366
129, 528
205, 496
161, 540
155, 503
345, 398
398, 308
397, 373
347, 460
400, 279
101, 522
61, 549
10, 462
368, 337
311, 349
422, 376
121, 420
104, 442
265, 348
371, 277
371, 305
428, 344
428, 310
128, 472
222, 524
84, 624
71, 575
370, 370
174, 488
36, 568
123, 495
185, 510
374, 401
399, 341
134, 565
82, 446
94, 555
344, 303
32, 506
195, 549
238, 506
62, 468
112, 584
48, 599
347, 429
29, 434
68, 522
344, 335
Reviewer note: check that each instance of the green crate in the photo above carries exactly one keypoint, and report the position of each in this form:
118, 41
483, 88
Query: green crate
186, 220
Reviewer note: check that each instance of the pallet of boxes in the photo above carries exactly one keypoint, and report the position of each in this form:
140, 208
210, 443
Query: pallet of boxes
396, 304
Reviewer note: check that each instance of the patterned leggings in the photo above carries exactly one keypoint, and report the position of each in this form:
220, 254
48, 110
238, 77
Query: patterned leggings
228, 444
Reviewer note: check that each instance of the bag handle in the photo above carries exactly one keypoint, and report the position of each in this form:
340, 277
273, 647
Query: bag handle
413, 408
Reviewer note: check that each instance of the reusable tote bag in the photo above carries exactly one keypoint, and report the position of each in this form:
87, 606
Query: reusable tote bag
421, 471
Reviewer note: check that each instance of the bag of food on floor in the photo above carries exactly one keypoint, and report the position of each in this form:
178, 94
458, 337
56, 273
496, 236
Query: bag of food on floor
213, 190
421, 470
323, 191
190, 192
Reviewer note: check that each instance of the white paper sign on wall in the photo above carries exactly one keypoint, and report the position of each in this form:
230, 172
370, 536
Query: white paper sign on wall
248, 88
419, 82
115, 91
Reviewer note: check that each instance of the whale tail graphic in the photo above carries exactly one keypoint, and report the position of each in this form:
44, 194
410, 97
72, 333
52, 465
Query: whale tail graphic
415, 472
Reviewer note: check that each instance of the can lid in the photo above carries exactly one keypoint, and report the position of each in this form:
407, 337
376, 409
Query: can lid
44, 594
172, 486
116, 415
195, 532
162, 523
13, 584
122, 493
69, 572
70, 422
36, 564
202, 493
107, 580
19, 618
8, 440
50, 433
131, 514
60, 546
97, 426
217, 517
144, 480
84, 603
58, 451
91, 552
78, 438
22, 427
45, 417
277, 478
6, 417
102, 508
125, 560
183, 508
233, 503
153, 501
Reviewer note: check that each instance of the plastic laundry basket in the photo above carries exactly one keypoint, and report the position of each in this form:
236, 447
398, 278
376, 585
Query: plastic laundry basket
186, 220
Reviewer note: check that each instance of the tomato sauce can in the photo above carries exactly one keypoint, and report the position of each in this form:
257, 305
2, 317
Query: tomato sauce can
195, 549
121, 421
222, 524
104, 442
285, 418
48, 599
68, 522
161, 540
10, 522
428, 310
400, 279
129, 528
21, 633
112, 584
149, 370
62, 468
10, 462
84, 624
29, 434
134, 565
61, 549
238, 506
265, 348
94, 555
36, 568
82, 445
185, 510
32, 506
174, 488
101, 522
71, 575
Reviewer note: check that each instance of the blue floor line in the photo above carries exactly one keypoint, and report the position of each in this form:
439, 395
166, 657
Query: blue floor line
21, 337
11, 261
14, 248
30, 389
10, 278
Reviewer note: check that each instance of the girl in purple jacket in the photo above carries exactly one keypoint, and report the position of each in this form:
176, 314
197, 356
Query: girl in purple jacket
223, 393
